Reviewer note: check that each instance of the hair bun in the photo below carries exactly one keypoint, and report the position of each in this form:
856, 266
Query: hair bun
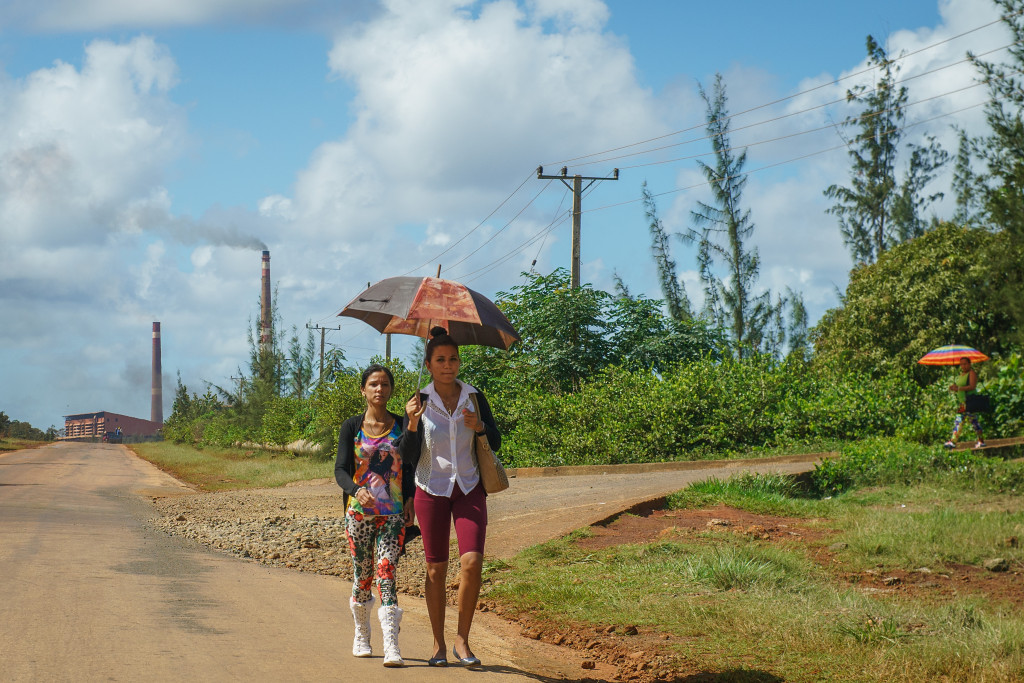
437, 331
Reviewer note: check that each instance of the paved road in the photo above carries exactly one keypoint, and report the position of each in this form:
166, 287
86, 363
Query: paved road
89, 591
538, 506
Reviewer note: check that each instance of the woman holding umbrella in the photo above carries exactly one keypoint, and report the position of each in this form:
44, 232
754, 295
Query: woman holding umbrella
965, 384
441, 425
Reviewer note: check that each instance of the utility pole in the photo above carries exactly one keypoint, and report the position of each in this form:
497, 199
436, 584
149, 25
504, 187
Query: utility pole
577, 202
323, 330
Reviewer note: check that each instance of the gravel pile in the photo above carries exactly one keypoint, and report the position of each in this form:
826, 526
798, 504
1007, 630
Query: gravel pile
298, 527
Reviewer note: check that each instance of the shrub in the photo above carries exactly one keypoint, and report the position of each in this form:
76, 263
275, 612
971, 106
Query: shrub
703, 408
875, 462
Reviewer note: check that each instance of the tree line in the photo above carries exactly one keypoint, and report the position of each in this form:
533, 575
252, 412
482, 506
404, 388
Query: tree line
15, 429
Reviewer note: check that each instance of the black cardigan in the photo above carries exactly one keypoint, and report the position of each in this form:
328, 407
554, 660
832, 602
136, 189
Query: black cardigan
345, 464
411, 444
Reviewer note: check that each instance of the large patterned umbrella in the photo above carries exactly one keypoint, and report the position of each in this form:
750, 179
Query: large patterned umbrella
414, 305
951, 355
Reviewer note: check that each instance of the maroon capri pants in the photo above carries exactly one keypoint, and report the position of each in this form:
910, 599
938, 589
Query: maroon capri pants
435, 515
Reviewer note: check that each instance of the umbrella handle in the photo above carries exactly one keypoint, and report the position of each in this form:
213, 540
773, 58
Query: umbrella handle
419, 377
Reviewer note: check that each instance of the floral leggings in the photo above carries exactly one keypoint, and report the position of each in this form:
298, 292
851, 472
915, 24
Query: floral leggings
384, 534
959, 422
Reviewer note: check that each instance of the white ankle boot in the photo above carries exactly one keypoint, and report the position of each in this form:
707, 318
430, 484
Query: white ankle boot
390, 617
361, 615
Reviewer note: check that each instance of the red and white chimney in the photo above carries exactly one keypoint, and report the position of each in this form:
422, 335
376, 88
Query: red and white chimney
156, 409
265, 332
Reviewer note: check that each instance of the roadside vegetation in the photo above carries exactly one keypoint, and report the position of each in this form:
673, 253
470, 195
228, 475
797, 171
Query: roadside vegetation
732, 601
16, 435
8, 445
651, 389
222, 469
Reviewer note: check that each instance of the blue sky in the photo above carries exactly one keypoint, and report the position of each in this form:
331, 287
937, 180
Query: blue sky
146, 148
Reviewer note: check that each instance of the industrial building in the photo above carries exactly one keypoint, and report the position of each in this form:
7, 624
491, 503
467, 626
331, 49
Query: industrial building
113, 426
103, 423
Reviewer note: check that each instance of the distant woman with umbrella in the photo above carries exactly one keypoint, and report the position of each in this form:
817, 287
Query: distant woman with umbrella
442, 423
965, 384
378, 506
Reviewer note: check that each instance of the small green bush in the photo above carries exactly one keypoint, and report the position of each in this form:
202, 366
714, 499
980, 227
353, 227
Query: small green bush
875, 462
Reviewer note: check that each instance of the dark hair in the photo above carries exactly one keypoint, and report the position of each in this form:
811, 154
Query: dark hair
964, 358
439, 337
376, 367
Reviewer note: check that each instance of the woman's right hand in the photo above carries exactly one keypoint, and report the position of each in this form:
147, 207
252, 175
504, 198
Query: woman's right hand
364, 497
414, 409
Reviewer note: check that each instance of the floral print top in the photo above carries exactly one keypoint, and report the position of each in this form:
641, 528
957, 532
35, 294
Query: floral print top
378, 467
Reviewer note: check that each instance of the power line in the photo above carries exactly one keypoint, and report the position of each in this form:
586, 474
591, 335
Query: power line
577, 212
546, 231
789, 161
558, 210
483, 270
862, 117
434, 259
788, 97
510, 221
542, 233
782, 116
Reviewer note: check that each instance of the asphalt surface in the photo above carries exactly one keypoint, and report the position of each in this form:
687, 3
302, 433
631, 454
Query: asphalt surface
89, 590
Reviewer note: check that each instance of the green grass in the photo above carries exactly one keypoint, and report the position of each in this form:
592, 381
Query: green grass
766, 494
220, 469
730, 602
926, 526
8, 445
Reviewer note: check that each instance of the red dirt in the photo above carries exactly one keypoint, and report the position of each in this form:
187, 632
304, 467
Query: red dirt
658, 524
642, 655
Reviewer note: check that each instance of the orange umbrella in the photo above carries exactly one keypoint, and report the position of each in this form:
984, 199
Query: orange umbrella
951, 355
413, 305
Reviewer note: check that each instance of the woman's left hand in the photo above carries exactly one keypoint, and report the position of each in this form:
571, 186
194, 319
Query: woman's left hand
472, 420
409, 511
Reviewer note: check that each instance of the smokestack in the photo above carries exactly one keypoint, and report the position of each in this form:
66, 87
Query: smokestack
156, 409
265, 304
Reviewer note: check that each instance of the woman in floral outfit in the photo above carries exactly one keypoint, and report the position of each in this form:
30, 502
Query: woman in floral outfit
378, 507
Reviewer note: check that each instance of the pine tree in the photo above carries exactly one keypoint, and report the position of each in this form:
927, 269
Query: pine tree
796, 330
876, 212
300, 363
1000, 185
722, 230
997, 188
966, 185
911, 201
672, 289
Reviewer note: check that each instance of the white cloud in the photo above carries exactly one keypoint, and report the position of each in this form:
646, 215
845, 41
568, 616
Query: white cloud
82, 159
452, 109
76, 145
